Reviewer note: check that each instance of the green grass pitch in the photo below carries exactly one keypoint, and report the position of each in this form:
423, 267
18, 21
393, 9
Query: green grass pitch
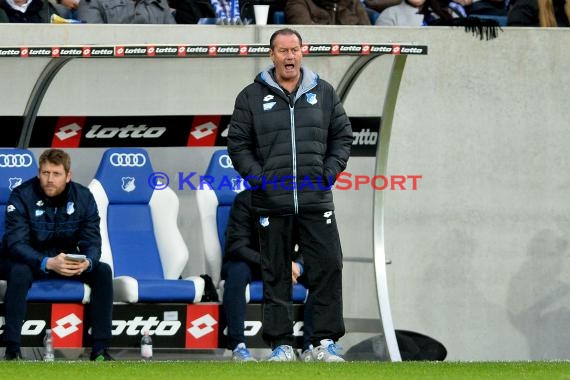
220, 370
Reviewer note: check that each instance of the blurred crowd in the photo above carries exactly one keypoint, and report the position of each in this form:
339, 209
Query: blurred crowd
537, 13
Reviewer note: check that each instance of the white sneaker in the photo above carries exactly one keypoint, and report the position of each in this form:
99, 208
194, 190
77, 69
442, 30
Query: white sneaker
307, 355
282, 353
326, 352
242, 354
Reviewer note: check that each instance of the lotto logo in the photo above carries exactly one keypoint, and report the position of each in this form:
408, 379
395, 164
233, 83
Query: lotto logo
202, 326
68, 132
67, 325
204, 130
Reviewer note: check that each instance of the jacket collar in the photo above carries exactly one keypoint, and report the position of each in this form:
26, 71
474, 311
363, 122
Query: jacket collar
58, 200
309, 79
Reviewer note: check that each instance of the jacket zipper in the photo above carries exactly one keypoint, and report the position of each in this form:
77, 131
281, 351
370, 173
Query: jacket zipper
294, 153
292, 102
55, 220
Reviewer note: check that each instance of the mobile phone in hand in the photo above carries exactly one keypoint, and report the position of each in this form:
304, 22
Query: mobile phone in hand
75, 257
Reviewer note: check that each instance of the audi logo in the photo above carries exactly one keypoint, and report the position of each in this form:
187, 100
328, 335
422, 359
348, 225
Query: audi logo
127, 159
20, 160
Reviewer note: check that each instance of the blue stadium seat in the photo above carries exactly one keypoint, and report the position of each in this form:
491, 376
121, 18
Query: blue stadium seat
17, 166
139, 230
215, 200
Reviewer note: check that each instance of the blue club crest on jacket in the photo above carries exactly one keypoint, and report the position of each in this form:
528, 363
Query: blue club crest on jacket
311, 98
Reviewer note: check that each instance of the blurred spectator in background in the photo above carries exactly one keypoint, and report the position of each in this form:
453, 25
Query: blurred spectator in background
65, 8
543, 13
3, 15
326, 12
407, 13
227, 9
484, 7
191, 11
125, 12
449, 13
380, 5
25, 11
442, 12
375, 7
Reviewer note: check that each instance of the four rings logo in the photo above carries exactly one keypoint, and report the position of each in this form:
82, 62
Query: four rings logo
127, 159
16, 160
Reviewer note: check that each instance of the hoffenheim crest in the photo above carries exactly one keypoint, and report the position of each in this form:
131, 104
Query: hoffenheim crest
263, 221
128, 184
311, 98
238, 185
70, 208
14, 182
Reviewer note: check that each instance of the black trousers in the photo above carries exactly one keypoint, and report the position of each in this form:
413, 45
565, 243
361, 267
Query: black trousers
20, 277
319, 243
237, 275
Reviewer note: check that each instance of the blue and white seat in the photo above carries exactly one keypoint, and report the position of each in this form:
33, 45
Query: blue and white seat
139, 231
215, 198
17, 166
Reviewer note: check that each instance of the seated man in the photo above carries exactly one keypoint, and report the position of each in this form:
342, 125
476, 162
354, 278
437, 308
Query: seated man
47, 218
407, 13
125, 12
25, 11
326, 12
241, 265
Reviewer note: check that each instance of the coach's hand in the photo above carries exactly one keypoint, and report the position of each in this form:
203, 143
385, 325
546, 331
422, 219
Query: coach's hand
295, 272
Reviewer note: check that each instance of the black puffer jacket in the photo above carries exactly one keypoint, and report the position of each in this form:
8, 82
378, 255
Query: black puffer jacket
273, 140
